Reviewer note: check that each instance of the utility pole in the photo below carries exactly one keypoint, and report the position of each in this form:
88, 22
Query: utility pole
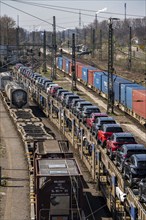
96, 21
73, 64
17, 37
77, 36
33, 42
44, 53
100, 46
85, 35
54, 48
110, 102
130, 49
125, 11
93, 42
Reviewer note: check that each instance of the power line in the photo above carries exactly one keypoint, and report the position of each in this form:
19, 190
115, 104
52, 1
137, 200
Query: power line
77, 9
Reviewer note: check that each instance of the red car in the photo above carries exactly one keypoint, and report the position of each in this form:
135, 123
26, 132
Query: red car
106, 132
92, 118
117, 140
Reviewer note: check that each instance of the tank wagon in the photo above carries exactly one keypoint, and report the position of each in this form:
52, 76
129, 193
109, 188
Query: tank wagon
5, 77
17, 96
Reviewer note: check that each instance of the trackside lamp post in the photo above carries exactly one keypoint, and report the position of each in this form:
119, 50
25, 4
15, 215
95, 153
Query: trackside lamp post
110, 102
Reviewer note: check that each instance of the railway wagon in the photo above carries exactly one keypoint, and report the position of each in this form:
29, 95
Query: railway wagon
4, 78
98, 81
17, 96
58, 183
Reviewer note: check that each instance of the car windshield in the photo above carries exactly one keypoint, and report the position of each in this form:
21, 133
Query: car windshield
125, 139
142, 164
92, 109
114, 129
135, 151
107, 122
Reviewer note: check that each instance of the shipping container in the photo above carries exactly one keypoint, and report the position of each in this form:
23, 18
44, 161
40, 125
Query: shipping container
67, 65
79, 70
64, 64
91, 76
60, 62
118, 81
129, 95
105, 82
97, 80
139, 102
85, 70
123, 92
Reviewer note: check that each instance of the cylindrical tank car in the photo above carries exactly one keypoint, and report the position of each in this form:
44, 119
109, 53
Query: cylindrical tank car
17, 96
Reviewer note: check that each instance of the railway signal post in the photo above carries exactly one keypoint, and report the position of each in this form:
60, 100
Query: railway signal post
110, 101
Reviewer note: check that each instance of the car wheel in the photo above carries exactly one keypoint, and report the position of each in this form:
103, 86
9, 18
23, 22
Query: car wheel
99, 142
124, 173
104, 144
130, 179
111, 155
121, 167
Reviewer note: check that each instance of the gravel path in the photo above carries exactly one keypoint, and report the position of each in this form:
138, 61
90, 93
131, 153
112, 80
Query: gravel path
15, 170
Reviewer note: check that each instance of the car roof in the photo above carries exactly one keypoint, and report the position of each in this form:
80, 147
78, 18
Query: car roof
123, 134
134, 146
99, 114
106, 119
73, 95
91, 107
84, 102
139, 157
112, 125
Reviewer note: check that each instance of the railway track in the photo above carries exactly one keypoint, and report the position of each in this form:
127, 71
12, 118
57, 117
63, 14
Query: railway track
104, 163
33, 129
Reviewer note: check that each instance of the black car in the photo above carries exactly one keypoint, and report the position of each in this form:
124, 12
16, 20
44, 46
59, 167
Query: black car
59, 92
74, 103
69, 99
63, 96
80, 106
142, 190
87, 111
127, 150
99, 122
134, 168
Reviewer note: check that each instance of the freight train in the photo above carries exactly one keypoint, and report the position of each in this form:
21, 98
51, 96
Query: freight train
56, 182
39, 94
130, 97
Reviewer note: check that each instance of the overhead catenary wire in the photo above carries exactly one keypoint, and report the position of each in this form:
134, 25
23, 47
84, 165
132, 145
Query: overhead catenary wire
77, 9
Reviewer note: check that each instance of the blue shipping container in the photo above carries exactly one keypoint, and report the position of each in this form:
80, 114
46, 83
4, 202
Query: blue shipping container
129, 95
105, 82
60, 63
67, 65
123, 92
118, 81
97, 80
85, 73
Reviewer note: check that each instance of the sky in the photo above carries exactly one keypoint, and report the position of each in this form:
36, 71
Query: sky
38, 14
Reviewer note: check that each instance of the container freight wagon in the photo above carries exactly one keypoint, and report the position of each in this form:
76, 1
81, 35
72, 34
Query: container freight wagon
58, 184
